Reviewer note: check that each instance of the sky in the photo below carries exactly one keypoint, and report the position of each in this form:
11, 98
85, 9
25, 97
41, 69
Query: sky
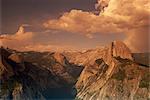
44, 25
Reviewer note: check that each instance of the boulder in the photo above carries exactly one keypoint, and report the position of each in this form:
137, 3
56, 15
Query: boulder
16, 58
6, 69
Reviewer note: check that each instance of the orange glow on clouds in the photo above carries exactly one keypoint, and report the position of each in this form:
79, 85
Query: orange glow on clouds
129, 17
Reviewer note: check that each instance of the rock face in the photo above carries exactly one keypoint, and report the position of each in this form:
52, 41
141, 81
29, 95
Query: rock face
115, 49
45, 73
5, 69
119, 49
56, 63
98, 68
16, 58
113, 76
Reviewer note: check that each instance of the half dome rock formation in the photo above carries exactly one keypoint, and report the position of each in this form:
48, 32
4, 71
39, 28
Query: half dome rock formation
114, 49
113, 76
119, 49
127, 81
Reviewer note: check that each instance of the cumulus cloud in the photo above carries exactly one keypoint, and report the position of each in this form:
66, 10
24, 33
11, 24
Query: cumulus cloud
31, 41
77, 21
17, 40
130, 17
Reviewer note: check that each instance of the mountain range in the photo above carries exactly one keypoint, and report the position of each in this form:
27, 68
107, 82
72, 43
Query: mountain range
108, 73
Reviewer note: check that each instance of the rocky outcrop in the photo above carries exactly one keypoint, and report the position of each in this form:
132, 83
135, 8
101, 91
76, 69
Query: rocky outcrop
18, 58
56, 63
114, 49
45, 73
60, 58
97, 69
5, 69
114, 75
123, 83
14, 82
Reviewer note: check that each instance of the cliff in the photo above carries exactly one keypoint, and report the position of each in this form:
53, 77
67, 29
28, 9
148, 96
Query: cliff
113, 76
25, 76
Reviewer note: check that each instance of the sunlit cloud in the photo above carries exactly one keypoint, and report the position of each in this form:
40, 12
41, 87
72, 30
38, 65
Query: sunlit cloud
125, 17
19, 39
31, 41
130, 17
